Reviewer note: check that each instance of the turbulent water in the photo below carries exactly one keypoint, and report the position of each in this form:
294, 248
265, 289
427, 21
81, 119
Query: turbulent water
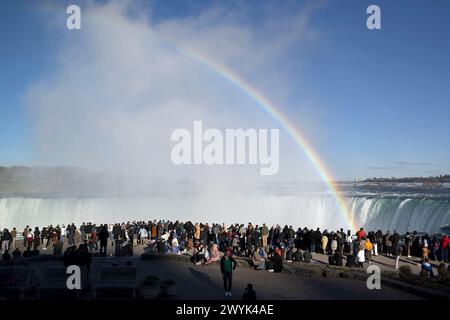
374, 207
401, 213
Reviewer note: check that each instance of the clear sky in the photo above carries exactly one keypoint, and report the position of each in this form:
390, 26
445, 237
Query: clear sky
372, 103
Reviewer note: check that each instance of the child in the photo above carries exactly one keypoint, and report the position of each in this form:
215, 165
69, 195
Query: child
361, 258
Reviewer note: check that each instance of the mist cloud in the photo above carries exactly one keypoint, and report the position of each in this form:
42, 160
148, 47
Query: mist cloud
120, 86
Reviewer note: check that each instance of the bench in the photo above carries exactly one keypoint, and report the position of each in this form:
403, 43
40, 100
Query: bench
16, 280
54, 282
115, 279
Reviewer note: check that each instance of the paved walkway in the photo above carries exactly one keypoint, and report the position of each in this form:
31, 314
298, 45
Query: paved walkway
205, 282
386, 263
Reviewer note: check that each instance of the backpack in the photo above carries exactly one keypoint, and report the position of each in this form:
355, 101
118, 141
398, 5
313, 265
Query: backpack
289, 255
307, 257
298, 256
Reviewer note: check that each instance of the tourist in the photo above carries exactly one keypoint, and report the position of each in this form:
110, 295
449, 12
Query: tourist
249, 293
197, 231
435, 248
57, 247
71, 234
348, 242
298, 255
288, 254
6, 238
312, 241
277, 261
143, 234
324, 242
62, 233
93, 239
227, 265
12, 244
351, 261
236, 245
264, 235
340, 238
69, 256
395, 238
317, 238
24, 235
427, 267
103, 236
175, 247
445, 248
408, 244
30, 238
396, 252
425, 251
44, 239
214, 254
258, 261
36, 238
334, 244
307, 257
198, 255
360, 234
360, 258
368, 248
6, 256
377, 243
388, 244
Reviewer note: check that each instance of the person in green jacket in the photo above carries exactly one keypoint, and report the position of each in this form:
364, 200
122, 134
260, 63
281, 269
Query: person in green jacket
227, 265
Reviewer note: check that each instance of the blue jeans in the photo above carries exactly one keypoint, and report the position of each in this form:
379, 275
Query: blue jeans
227, 281
261, 266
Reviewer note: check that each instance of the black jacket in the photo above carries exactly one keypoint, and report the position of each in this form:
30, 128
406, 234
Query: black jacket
277, 263
233, 263
249, 295
103, 235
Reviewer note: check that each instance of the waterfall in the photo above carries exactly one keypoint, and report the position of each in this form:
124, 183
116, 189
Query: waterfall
373, 212
401, 213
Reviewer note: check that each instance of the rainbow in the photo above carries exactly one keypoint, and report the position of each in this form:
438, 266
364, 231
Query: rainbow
290, 128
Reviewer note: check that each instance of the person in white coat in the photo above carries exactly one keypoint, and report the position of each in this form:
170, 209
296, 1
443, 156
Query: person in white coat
143, 234
361, 258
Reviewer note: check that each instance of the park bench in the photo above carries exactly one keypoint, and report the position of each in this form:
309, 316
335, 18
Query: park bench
53, 283
16, 280
112, 280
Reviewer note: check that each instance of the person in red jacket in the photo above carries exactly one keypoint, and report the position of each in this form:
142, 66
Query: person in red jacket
445, 243
361, 234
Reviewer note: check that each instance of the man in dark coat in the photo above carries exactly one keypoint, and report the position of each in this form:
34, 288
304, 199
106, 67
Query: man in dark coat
103, 236
249, 294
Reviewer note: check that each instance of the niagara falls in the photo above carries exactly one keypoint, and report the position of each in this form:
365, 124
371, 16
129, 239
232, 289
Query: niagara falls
195, 154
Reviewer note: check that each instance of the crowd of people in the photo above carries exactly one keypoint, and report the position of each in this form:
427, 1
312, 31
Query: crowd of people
266, 248
208, 241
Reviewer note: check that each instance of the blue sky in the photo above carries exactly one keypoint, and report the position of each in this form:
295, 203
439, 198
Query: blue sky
379, 101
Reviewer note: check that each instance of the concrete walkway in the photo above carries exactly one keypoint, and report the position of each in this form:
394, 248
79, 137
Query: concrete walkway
205, 282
